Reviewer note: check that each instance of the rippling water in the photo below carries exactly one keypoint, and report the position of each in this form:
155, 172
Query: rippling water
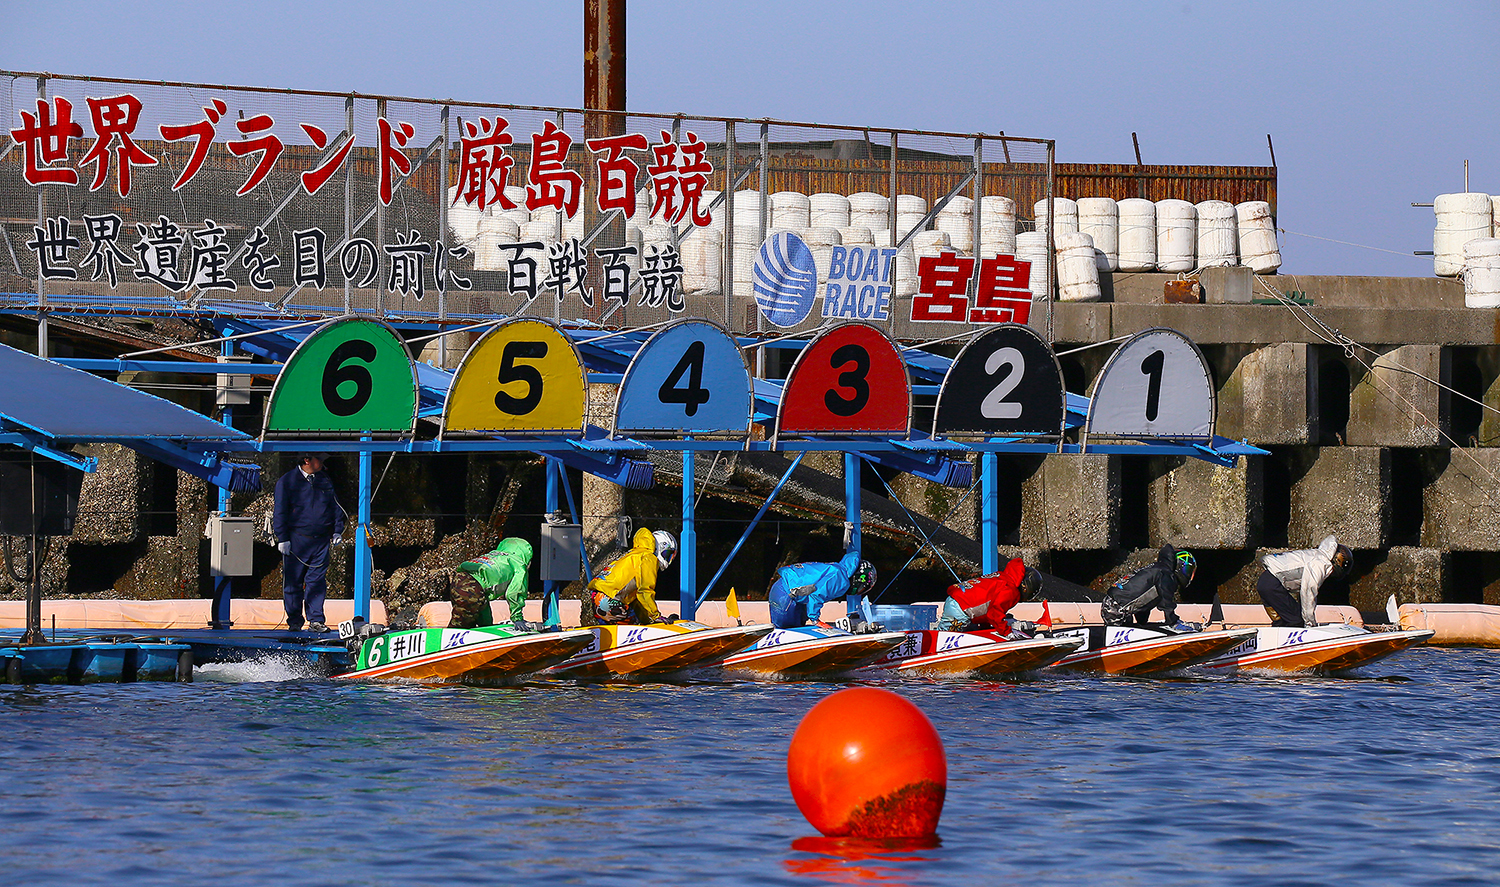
255, 773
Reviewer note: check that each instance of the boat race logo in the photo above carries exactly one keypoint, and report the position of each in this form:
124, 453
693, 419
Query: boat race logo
786, 279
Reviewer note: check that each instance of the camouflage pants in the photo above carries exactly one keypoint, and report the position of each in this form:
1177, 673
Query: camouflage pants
471, 606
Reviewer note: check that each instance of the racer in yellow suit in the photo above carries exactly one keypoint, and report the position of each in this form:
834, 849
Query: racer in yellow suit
624, 591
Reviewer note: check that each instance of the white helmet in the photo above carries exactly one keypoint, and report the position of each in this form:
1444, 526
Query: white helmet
666, 548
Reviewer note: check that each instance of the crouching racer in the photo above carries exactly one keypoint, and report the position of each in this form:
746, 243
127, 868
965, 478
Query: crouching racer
1301, 572
799, 591
1155, 586
625, 589
985, 602
486, 578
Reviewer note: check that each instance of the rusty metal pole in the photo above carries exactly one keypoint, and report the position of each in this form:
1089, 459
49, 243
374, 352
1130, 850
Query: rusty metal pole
604, 66
603, 90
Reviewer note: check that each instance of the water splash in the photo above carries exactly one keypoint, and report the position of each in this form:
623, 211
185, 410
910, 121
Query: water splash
262, 669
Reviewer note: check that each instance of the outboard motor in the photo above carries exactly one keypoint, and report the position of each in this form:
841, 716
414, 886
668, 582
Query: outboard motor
354, 633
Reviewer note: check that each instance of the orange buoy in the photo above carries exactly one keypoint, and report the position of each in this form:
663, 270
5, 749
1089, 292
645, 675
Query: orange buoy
867, 763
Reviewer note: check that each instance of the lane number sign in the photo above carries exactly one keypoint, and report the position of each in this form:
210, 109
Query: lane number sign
1156, 385
352, 375
849, 380
1005, 383
522, 377
689, 378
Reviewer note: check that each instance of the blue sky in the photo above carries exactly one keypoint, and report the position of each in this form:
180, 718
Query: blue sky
1371, 106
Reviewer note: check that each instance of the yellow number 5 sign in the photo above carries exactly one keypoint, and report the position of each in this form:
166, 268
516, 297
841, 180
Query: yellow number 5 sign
522, 377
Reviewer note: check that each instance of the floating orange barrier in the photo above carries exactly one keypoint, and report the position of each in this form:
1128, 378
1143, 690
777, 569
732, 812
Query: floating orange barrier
867, 763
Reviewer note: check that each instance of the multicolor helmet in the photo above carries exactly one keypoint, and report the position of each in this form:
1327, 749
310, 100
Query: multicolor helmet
666, 548
863, 579
1187, 565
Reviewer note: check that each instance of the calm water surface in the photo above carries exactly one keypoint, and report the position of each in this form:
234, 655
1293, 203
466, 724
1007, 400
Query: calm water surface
255, 775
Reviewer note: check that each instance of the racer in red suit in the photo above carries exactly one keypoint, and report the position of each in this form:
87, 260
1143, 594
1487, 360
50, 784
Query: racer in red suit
984, 602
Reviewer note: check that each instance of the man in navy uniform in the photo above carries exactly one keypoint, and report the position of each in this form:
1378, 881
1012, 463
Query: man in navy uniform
307, 520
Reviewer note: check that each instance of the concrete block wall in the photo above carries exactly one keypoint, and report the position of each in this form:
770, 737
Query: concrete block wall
1269, 395
1393, 403
1348, 488
1072, 502
1366, 443
1196, 504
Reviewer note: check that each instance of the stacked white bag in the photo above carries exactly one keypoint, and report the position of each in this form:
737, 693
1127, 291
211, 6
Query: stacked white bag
1257, 233
1099, 218
956, 219
1176, 235
1461, 218
1077, 271
791, 209
829, 211
997, 226
1137, 234
1482, 273
870, 210
1031, 246
1218, 235
1064, 216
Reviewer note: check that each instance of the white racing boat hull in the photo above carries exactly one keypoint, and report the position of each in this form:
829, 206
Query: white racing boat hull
813, 650
452, 654
973, 653
1322, 649
1127, 650
640, 650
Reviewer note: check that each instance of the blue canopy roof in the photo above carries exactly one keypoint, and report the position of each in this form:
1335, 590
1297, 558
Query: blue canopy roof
63, 403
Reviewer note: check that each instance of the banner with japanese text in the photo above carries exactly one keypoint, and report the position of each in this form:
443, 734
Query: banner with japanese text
277, 200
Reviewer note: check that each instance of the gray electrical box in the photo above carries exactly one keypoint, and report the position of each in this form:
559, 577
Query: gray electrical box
232, 390
562, 552
230, 546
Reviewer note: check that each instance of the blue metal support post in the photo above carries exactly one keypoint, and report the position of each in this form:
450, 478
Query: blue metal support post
362, 563
550, 615
687, 545
851, 514
219, 617
989, 519
750, 528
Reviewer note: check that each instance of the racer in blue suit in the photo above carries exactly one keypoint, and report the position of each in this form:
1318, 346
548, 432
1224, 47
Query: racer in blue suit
799, 591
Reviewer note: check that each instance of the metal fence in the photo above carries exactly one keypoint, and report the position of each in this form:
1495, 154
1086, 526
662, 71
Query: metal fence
125, 193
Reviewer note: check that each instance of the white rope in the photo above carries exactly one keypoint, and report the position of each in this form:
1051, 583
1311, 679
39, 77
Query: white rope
1334, 337
1394, 252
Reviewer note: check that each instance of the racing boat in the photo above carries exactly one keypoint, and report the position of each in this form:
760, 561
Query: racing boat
1135, 650
1322, 648
813, 649
973, 652
452, 654
655, 649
